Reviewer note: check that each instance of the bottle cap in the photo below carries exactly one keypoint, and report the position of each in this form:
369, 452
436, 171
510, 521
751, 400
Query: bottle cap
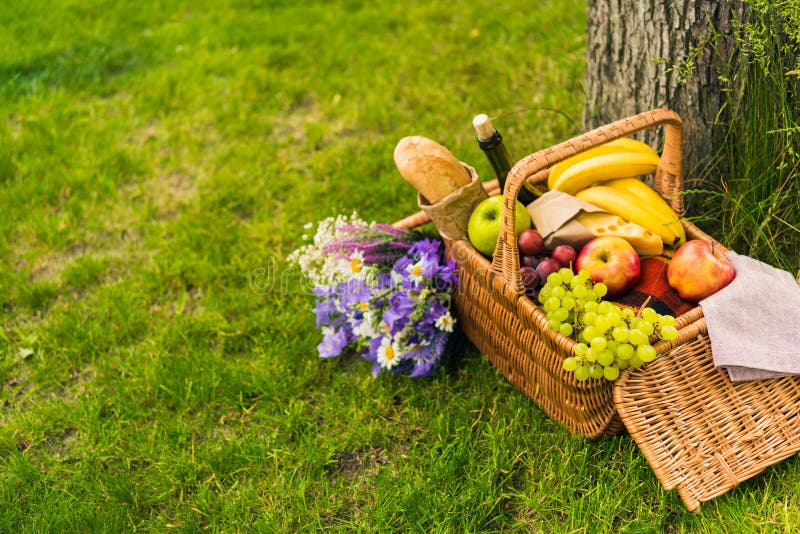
483, 126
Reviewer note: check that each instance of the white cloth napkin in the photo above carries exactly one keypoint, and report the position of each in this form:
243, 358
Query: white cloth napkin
754, 322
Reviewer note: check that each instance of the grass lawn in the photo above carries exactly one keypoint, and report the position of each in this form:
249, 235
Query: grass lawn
154, 159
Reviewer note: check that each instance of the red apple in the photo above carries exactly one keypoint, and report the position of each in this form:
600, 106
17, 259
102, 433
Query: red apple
611, 260
530, 243
696, 273
565, 255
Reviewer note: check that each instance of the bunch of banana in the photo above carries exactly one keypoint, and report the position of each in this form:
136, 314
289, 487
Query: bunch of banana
605, 176
635, 201
616, 159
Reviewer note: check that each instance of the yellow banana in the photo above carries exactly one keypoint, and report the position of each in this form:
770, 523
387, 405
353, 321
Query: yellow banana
653, 200
622, 145
631, 208
605, 167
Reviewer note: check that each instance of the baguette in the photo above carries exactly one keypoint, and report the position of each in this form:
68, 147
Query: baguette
430, 167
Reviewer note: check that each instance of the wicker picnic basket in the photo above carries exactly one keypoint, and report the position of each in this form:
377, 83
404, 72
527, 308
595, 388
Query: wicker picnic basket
510, 329
701, 433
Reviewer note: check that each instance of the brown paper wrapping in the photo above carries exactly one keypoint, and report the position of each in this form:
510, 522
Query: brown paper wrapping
451, 213
553, 215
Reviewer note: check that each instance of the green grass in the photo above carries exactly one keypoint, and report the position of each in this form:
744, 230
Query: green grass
154, 158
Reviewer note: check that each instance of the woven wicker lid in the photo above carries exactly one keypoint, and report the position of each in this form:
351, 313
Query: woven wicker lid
701, 433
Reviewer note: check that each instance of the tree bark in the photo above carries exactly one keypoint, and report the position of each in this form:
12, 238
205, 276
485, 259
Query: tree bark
645, 54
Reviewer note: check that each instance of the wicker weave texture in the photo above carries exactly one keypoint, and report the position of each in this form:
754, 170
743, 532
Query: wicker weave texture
701, 433
509, 330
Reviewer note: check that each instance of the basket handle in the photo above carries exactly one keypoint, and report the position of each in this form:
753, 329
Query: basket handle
667, 179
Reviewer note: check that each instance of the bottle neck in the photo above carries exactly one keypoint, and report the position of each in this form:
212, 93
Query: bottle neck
491, 143
497, 155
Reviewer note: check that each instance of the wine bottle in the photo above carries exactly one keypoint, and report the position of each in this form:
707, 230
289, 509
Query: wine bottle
490, 141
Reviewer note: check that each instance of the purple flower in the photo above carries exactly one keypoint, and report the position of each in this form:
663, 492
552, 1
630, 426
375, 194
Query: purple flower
332, 344
425, 247
354, 291
402, 264
426, 358
400, 308
323, 291
448, 275
437, 347
405, 265
324, 310
371, 351
440, 344
433, 309
423, 368
391, 230
385, 281
430, 267
412, 283
379, 243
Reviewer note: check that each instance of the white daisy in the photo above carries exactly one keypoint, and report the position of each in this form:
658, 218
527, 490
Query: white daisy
355, 266
446, 322
356, 261
415, 271
388, 354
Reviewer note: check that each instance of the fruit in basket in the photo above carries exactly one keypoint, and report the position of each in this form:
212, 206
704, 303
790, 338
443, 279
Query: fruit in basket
483, 227
565, 255
605, 167
624, 203
529, 261
695, 272
609, 338
618, 146
546, 267
611, 260
648, 195
530, 242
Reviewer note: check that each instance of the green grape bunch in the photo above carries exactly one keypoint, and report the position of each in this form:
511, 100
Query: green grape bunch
609, 337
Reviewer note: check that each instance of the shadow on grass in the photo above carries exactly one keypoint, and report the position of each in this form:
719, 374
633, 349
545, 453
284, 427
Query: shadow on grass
82, 66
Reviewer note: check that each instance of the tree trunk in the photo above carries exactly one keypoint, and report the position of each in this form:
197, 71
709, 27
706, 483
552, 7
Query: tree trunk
645, 54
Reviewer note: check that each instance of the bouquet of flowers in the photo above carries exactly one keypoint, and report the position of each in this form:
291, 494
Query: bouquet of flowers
381, 292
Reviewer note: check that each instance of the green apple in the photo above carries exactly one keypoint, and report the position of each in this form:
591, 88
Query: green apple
483, 228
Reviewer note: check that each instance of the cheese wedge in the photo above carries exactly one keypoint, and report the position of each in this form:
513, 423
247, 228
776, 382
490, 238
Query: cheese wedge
601, 223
